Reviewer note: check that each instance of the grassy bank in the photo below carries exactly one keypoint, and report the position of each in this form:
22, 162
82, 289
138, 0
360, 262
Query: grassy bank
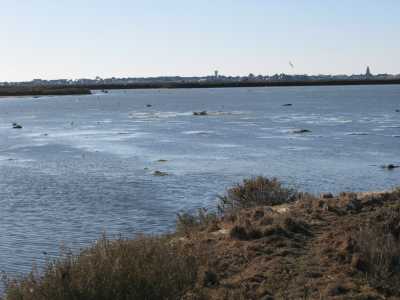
42, 91
265, 241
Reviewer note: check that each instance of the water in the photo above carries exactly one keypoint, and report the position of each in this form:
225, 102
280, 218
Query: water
83, 164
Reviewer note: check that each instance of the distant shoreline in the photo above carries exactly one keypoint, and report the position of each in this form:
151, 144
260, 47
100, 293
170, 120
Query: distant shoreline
225, 84
16, 91
25, 90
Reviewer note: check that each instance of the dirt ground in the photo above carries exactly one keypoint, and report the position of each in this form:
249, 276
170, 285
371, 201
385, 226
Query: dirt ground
308, 249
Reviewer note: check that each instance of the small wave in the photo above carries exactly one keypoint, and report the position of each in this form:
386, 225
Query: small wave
172, 114
226, 145
356, 133
158, 115
198, 132
312, 119
295, 148
6, 158
225, 113
104, 121
390, 126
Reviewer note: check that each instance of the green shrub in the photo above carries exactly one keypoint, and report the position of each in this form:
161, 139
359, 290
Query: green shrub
258, 191
143, 268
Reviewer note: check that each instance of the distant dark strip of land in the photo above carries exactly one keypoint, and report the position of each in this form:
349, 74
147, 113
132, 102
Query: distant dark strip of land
42, 91
232, 84
85, 89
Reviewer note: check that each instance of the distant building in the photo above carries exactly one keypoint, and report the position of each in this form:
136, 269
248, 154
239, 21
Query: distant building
368, 73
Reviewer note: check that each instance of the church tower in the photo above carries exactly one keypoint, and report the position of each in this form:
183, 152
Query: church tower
368, 73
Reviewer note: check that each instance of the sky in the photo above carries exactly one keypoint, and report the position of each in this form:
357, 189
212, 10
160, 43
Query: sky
127, 38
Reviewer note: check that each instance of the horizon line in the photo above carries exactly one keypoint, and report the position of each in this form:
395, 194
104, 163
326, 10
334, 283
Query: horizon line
196, 76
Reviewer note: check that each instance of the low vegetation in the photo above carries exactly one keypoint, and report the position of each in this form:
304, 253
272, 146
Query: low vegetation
144, 268
378, 247
266, 242
258, 191
187, 223
43, 91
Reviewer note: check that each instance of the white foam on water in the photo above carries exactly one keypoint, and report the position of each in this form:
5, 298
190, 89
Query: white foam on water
198, 132
227, 113
14, 160
112, 148
295, 148
73, 133
106, 121
267, 128
390, 126
158, 115
313, 119
287, 137
121, 137
225, 145
5, 158
152, 115
177, 122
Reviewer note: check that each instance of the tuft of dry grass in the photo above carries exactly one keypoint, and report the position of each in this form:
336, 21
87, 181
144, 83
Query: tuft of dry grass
188, 223
143, 268
378, 247
257, 191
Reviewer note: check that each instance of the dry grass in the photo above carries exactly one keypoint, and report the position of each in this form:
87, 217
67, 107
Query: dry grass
284, 225
257, 191
143, 268
378, 245
187, 223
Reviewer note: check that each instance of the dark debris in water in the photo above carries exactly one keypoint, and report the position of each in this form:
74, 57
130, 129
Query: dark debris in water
16, 126
200, 113
160, 173
390, 166
301, 131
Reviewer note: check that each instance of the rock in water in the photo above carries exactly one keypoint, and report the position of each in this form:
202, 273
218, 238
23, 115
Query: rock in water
200, 113
390, 166
301, 131
16, 126
159, 173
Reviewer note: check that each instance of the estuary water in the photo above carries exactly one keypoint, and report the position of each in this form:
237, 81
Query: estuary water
83, 165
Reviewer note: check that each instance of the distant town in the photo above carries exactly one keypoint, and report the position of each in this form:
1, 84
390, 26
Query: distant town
215, 78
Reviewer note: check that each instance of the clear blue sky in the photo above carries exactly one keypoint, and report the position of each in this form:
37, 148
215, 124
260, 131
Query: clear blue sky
88, 38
